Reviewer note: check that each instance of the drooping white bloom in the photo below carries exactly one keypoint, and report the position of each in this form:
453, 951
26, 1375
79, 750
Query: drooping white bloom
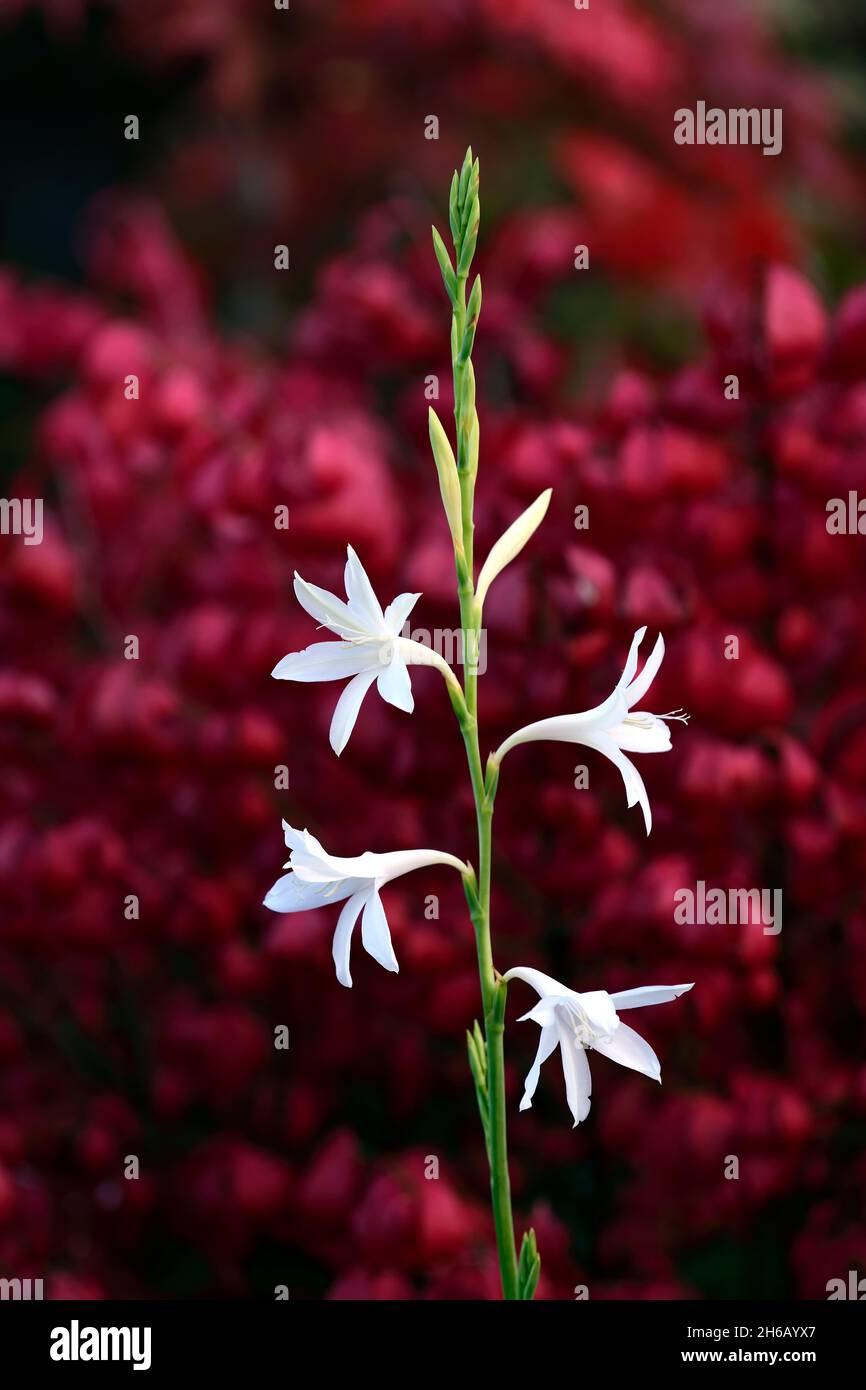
614, 727
317, 879
577, 1022
369, 649
511, 542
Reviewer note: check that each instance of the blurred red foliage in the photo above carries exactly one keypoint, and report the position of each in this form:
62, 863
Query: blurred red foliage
155, 777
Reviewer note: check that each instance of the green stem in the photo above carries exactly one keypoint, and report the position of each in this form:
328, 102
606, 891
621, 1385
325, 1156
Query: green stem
494, 1032
493, 994
491, 1086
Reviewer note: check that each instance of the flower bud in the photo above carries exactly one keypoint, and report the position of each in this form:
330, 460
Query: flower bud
511, 542
449, 483
448, 276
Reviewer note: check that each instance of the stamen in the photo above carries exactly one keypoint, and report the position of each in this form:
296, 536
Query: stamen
579, 1025
644, 720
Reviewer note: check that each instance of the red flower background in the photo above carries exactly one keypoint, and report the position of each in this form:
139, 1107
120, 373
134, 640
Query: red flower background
306, 388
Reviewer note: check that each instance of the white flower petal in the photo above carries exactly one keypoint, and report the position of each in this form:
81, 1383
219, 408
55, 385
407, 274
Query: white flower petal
398, 611
599, 1009
543, 1013
615, 706
511, 542
385, 867
329, 610
563, 728
549, 992
648, 994
315, 865
395, 685
577, 1021
419, 654
343, 937
348, 705
359, 591
327, 661
578, 1081
631, 660
375, 934
641, 685
311, 861
298, 839
631, 1050
577, 728
651, 736
541, 983
548, 1041
635, 791
292, 894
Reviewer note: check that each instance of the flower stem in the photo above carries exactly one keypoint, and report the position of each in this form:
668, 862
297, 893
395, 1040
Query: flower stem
487, 1055
493, 994
494, 1031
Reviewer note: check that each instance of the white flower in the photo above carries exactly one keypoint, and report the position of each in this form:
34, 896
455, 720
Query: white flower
370, 648
614, 727
575, 1022
317, 879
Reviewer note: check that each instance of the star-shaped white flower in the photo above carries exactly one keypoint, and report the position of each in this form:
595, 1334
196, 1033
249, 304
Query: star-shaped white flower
317, 879
614, 727
370, 648
576, 1022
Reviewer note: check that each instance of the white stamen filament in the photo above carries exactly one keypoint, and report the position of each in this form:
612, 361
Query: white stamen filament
585, 1034
646, 721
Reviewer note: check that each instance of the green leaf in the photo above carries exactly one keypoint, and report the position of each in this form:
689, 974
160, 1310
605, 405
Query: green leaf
448, 276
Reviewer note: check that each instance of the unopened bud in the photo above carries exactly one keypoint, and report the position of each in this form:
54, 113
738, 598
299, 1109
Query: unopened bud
448, 276
473, 310
449, 482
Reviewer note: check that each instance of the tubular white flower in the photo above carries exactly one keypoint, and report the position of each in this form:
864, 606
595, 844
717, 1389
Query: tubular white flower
511, 542
317, 879
370, 648
577, 1022
614, 727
